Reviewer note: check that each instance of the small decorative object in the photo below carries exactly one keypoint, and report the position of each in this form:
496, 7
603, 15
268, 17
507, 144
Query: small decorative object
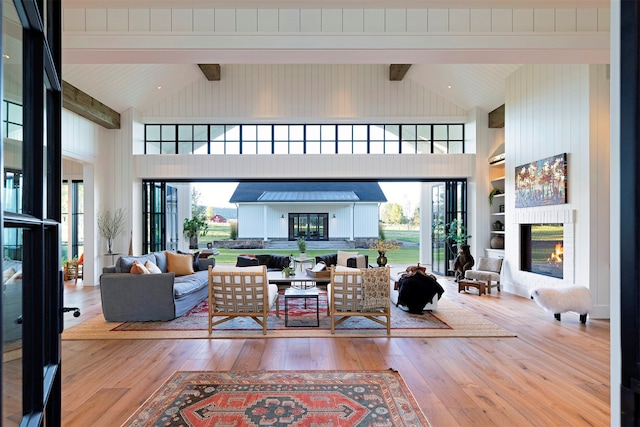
501, 208
497, 226
111, 224
382, 259
560, 299
382, 246
302, 246
462, 262
497, 242
209, 245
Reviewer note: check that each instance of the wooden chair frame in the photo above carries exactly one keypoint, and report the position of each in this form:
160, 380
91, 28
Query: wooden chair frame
240, 291
345, 299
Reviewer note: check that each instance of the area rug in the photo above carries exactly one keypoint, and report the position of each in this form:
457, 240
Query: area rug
281, 398
450, 320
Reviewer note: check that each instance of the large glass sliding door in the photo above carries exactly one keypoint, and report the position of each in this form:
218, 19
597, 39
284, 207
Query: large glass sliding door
448, 202
310, 226
160, 217
31, 213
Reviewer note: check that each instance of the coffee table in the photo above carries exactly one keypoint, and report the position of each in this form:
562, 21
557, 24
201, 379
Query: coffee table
301, 280
312, 293
302, 261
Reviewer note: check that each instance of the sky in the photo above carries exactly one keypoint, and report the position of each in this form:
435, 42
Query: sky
218, 194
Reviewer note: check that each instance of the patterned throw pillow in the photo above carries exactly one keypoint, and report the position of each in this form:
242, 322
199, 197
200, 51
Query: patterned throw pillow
153, 269
375, 288
138, 268
180, 264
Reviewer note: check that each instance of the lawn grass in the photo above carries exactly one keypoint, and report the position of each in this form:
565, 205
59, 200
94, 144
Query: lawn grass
396, 256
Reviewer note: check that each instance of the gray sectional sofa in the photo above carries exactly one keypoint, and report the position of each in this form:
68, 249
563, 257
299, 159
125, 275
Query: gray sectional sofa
128, 297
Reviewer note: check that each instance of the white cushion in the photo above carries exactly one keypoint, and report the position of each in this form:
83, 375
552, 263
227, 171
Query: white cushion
272, 293
227, 269
343, 256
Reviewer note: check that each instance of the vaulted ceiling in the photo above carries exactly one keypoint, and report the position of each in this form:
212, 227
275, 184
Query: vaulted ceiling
120, 52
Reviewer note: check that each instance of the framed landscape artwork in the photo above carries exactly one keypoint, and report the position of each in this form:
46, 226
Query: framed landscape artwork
543, 182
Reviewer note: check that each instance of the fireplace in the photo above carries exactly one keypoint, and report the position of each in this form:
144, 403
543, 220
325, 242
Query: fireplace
542, 249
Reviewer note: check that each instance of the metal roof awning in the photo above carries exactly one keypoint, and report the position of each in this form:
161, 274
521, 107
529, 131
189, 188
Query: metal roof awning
308, 196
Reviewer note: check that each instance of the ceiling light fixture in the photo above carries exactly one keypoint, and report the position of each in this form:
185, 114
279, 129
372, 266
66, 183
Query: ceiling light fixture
449, 86
159, 87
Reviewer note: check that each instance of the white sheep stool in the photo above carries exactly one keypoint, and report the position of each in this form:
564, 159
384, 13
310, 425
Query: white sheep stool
564, 298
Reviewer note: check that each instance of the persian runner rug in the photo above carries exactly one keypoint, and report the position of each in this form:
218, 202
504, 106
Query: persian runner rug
281, 398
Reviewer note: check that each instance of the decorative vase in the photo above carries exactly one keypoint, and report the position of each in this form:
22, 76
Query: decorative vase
303, 255
109, 246
497, 242
382, 259
193, 242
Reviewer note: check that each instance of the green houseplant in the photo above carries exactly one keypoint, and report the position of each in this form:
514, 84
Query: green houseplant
194, 227
302, 246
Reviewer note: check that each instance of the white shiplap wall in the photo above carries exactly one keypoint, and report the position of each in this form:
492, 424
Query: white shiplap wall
311, 166
310, 92
553, 109
335, 20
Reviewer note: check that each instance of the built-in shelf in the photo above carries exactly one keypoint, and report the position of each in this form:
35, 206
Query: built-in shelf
496, 208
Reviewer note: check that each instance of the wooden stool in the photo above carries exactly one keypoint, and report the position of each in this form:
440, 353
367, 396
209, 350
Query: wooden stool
464, 284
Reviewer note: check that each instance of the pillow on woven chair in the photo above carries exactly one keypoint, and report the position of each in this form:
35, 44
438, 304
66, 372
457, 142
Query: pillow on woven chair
180, 264
343, 256
153, 269
138, 268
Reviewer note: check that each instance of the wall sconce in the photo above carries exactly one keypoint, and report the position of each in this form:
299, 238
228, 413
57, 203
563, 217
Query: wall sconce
334, 216
282, 216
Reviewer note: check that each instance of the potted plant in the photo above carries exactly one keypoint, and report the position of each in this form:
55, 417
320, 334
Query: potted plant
302, 246
456, 236
382, 246
110, 225
192, 227
288, 271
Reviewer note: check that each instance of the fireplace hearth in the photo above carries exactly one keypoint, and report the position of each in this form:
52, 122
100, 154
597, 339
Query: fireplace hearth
542, 249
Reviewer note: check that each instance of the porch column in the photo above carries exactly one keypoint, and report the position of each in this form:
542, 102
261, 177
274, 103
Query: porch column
264, 223
352, 219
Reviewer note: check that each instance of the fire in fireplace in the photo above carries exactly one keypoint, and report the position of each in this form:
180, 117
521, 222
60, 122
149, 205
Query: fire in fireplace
542, 249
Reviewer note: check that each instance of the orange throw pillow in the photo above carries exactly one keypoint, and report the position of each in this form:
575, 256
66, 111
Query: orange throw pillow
138, 268
180, 264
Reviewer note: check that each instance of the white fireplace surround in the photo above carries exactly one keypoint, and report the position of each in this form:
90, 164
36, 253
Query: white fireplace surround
566, 217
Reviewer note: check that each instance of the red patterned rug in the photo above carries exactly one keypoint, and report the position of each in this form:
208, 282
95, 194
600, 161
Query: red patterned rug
281, 398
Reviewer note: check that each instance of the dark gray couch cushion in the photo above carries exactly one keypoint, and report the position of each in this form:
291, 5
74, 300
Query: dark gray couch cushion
161, 260
185, 285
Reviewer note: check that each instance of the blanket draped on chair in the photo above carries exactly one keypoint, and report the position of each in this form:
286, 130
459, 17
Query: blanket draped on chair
375, 288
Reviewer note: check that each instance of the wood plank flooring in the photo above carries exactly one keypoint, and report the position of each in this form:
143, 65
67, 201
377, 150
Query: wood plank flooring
553, 374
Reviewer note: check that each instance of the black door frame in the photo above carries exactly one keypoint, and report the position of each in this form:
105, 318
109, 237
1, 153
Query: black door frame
629, 211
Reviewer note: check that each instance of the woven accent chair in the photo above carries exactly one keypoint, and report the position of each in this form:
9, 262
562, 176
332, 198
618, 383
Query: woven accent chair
241, 291
488, 270
347, 298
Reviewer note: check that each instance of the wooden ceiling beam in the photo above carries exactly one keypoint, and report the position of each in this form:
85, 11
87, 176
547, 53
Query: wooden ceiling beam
73, 99
397, 71
211, 71
496, 118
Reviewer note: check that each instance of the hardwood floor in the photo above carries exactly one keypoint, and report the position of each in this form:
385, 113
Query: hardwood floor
553, 374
